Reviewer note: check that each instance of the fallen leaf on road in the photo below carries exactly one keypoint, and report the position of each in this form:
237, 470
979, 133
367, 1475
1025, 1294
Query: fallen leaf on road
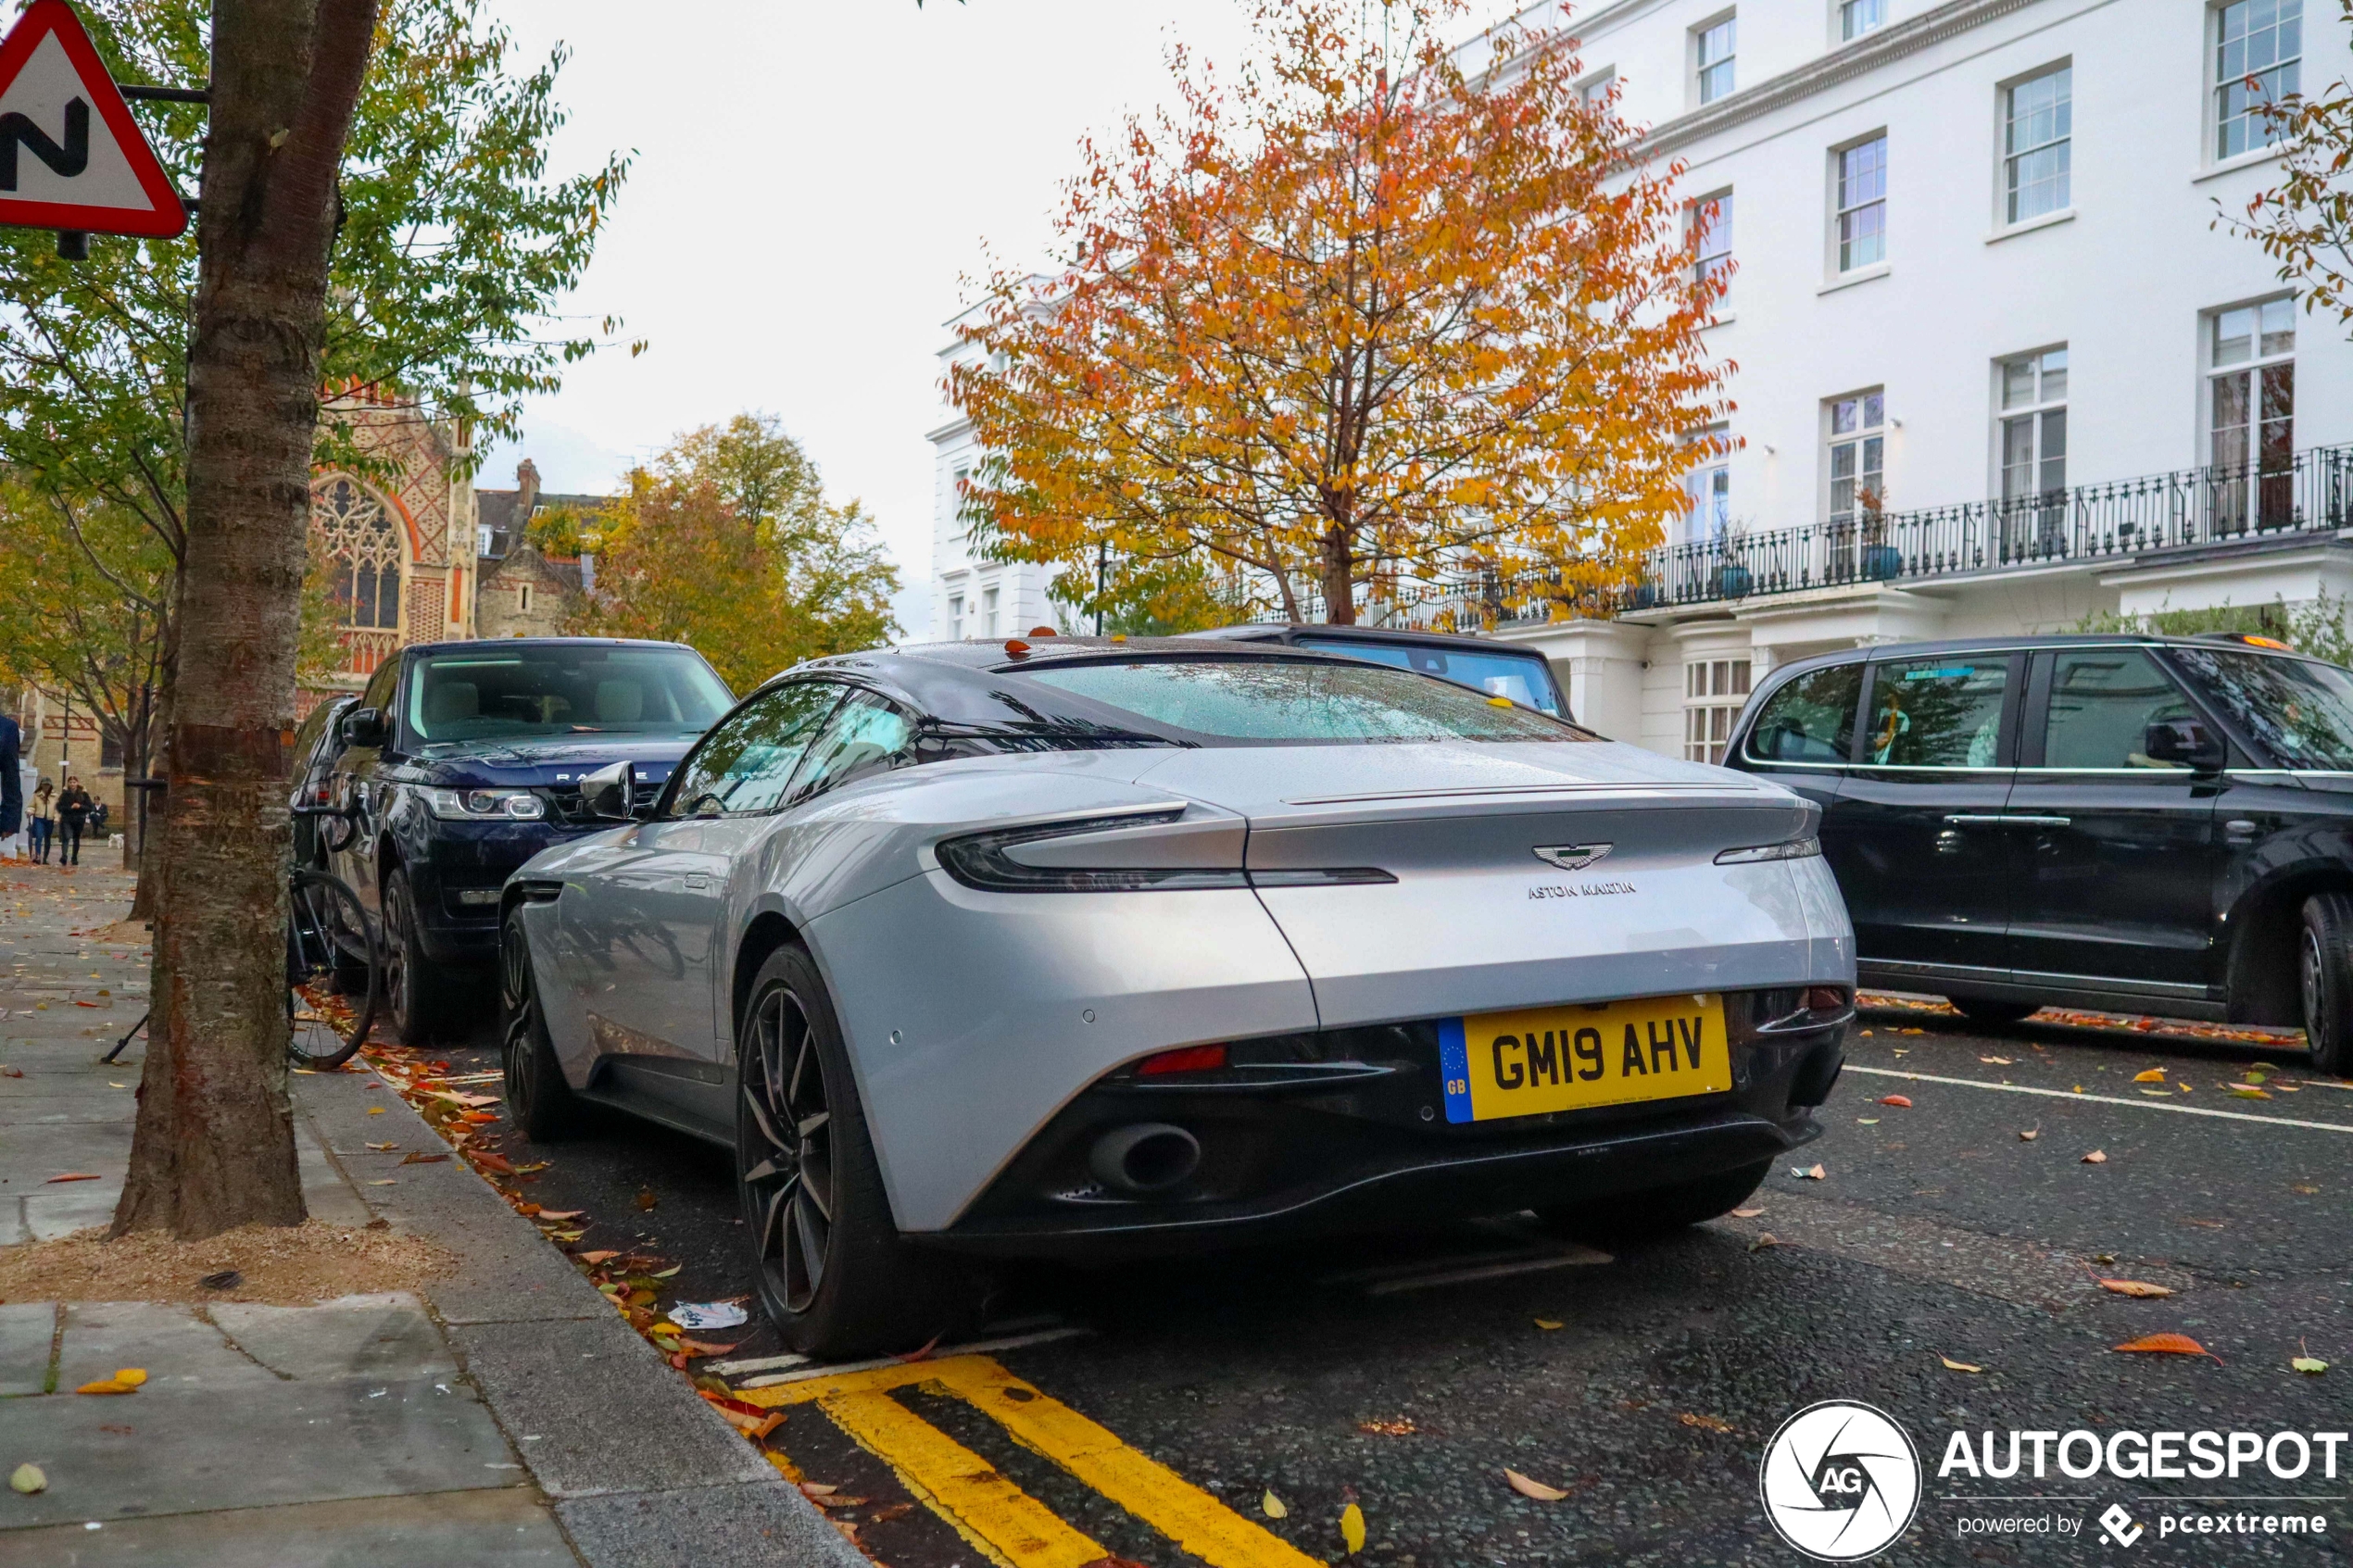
646, 1199
1903, 1102
1816, 1174
2246, 1091
1952, 1366
2030, 1134
670, 1270
2097, 1157
2311, 1365
418, 1157
28, 1479
2154, 1076
11, 1072
1996, 1060
1547, 1323
1866, 1121
1399, 1428
896, 1511
1351, 1528
131, 1376
1746, 1213
697, 1348
1764, 1240
1705, 1422
376, 1111
72, 1176
497, 1164
1536, 1489
1273, 1507
597, 1256
384, 1148
561, 1213
2204, 1225
2170, 1345
107, 1385
2134, 1287
2306, 1190
920, 1353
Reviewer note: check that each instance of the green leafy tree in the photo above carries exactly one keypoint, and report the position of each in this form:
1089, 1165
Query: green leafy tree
727, 542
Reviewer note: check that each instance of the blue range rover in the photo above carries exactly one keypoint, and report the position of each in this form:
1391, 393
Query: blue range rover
464, 759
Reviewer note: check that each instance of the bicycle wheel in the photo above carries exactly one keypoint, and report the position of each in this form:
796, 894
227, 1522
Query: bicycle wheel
326, 933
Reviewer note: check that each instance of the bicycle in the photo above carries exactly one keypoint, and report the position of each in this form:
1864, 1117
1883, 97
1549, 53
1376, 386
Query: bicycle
333, 992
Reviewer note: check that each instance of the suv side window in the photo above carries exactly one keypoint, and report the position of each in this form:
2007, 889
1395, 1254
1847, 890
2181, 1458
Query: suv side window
867, 734
1937, 712
1810, 719
380, 687
747, 761
2103, 700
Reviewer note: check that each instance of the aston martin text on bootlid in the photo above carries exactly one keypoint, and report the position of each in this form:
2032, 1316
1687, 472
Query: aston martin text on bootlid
1001, 949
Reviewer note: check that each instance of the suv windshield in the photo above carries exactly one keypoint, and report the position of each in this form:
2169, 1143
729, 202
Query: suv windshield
1299, 700
2302, 711
1524, 680
490, 693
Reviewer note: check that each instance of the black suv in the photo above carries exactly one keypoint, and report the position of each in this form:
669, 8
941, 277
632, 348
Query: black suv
2161, 824
465, 759
1498, 668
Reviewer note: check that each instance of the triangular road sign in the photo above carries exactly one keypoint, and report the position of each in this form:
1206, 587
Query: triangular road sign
71, 154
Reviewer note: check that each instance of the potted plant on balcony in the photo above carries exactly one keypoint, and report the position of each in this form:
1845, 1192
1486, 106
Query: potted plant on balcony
1732, 578
1881, 561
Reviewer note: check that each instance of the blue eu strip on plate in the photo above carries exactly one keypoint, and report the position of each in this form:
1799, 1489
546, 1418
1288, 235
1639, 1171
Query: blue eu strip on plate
1453, 1063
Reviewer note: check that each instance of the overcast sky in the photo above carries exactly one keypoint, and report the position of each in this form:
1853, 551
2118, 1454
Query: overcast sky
812, 183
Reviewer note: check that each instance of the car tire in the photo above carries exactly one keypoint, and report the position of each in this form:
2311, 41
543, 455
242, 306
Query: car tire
833, 1272
539, 1101
1631, 1218
1994, 1014
2324, 977
415, 993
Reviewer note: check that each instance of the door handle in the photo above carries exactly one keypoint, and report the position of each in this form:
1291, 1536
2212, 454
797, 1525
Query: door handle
2039, 822
1968, 819
2239, 829
1965, 819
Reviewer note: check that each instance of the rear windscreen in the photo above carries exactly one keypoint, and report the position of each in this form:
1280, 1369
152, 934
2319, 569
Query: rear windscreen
1526, 681
1286, 700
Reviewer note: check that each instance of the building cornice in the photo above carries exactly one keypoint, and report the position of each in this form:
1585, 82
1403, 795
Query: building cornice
1889, 44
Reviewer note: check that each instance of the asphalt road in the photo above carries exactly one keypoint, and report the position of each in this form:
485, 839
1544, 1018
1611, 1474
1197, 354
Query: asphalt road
1356, 1370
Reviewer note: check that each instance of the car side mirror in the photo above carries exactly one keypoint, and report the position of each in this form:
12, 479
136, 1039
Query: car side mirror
2185, 741
610, 792
366, 726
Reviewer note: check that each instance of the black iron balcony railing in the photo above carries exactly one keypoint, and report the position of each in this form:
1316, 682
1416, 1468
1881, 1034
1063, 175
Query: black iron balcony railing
2222, 505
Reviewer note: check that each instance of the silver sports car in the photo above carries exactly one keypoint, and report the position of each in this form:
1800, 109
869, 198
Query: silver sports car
1077, 945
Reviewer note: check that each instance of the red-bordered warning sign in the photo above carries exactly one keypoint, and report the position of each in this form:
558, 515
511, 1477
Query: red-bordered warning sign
71, 154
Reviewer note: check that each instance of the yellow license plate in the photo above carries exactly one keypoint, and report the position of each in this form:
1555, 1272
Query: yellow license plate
1581, 1054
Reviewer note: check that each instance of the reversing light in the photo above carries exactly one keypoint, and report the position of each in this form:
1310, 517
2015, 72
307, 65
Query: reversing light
1190, 1059
1824, 999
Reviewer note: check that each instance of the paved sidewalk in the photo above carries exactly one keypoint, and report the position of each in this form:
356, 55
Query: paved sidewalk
507, 1418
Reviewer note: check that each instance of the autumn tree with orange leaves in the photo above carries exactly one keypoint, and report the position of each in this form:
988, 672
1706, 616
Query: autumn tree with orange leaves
1362, 315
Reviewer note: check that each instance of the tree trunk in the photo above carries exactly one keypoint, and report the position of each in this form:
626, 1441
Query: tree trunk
214, 1145
1338, 580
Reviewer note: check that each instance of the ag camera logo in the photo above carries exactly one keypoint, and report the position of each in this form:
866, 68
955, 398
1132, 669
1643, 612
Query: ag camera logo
1841, 1481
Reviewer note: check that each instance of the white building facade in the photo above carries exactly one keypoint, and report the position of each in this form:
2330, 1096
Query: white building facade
1998, 369
972, 596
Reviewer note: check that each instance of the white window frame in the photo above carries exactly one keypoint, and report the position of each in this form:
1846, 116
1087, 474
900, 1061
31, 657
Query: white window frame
956, 616
2010, 157
991, 603
1594, 90
2033, 518
2233, 506
1707, 489
1713, 235
1707, 86
1842, 206
1851, 20
1862, 435
2219, 86
1715, 690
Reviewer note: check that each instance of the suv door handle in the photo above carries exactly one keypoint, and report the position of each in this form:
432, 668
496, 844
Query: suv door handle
1963, 819
1966, 819
2039, 822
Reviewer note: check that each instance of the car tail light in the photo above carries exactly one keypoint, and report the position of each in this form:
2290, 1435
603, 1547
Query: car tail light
1825, 998
980, 861
1190, 1059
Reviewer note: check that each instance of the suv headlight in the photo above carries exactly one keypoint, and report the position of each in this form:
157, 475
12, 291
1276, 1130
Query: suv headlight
480, 805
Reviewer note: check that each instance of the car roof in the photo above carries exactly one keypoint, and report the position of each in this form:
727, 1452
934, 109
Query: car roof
1267, 631
1883, 652
476, 645
998, 654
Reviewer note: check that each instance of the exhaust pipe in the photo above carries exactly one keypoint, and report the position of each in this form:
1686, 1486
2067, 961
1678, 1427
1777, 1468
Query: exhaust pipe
1144, 1158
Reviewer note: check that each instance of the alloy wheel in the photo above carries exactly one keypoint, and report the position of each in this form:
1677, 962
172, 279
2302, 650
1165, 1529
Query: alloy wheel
521, 1006
786, 1151
396, 950
2309, 977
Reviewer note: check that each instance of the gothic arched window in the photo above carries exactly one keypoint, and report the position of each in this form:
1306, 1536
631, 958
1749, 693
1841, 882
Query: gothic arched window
363, 546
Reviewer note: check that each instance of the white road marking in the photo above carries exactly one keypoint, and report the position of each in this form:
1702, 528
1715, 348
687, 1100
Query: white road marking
1570, 1258
2104, 1099
979, 1347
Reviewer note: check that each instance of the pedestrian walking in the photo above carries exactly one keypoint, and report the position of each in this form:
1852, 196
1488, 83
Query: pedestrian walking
11, 787
73, 815
41, 813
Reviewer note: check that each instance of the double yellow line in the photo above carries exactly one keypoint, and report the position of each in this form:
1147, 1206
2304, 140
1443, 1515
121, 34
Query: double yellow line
1002, 1522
